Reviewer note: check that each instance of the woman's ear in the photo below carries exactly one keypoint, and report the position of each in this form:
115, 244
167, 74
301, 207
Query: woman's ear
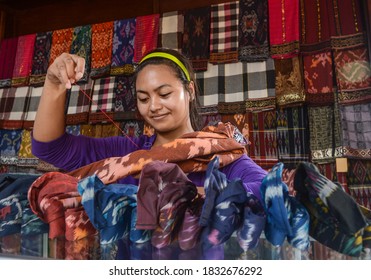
191, 90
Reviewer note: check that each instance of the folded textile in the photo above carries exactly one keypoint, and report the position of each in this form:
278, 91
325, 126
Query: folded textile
286, 217
50, 196
163, 196
8, 51
223, 208
191, 152
336, 220
109, 207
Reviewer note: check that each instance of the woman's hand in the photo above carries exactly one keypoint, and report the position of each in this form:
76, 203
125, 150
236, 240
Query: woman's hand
66, 70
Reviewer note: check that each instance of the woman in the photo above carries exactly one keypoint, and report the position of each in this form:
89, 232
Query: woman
167, 99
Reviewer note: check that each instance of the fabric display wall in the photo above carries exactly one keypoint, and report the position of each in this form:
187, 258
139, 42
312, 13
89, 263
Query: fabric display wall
293, 76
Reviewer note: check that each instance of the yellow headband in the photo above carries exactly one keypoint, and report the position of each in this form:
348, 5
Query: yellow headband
171, 57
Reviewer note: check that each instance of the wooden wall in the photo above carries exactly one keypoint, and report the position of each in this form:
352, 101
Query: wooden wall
63, 14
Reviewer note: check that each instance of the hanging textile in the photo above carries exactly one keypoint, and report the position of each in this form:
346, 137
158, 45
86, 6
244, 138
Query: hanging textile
324, 128
78, 103
224, 32
289, 81
292, 135
353, 75
317, 25
196, 37
13, 106
359, 181
41, 57
81, 45
123, 46
318, 79
171, 30
101, 49
329, 171
253, 31
25, 156
8, 51
146, 35
356, 133
10, 145
23, 60
283, 28
124, 98
61, 43
99, 130
133, 128
262, 136
33, 104
103, 99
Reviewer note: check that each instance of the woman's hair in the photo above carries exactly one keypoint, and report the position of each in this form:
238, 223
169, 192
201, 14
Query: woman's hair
183, 70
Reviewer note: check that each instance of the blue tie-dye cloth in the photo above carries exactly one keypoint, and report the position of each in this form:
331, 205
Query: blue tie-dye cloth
224, 212
110, 208
286, 216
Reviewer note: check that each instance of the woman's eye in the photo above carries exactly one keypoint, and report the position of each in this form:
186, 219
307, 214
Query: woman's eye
143, 100
164, 95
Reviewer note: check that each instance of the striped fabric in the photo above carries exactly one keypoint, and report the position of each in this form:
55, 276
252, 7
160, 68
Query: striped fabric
171, 30
146, 35
23, 60
13, 106
224, 33
8, 51
33, 104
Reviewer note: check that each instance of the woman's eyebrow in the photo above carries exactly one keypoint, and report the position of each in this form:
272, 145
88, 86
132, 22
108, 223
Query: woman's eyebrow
156, 89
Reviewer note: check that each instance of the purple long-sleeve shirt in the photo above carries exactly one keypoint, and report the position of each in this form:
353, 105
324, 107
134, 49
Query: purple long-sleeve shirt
70, 152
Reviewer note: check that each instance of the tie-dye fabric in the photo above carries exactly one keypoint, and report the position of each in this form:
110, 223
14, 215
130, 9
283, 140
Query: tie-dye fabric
336, 220
287, 218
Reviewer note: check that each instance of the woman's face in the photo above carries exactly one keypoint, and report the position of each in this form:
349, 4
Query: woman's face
162, 100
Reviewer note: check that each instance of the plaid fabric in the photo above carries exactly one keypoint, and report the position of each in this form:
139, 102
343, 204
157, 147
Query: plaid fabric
353, 72
124, 98
318, 78
103, 99
81, 45
13, 106
61, 42
33, 100
123, 46
101, 49
253, 31
356, 130
224, 32
40, 59
236, 82
262, 135
196, 37
23, 60
146, 35
79, 103
324, 131
10, 145
8, 51
359, 181
289, 81
171, 30
283, 28
292, 135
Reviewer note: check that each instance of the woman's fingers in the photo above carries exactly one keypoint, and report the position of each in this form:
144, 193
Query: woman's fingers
67, 69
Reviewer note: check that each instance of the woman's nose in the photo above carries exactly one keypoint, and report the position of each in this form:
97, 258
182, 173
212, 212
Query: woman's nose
155, 104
